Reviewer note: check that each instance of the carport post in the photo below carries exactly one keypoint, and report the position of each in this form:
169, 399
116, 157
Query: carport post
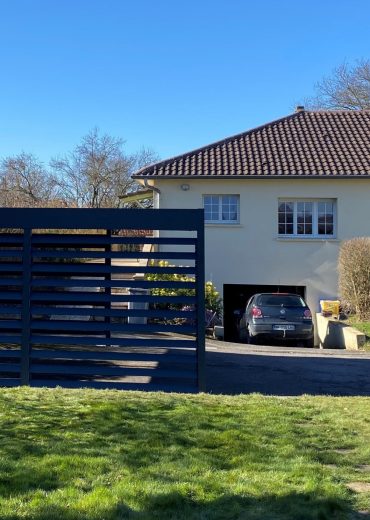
26, 308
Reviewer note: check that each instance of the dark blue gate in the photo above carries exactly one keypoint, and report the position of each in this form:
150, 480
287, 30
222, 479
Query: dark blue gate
102, 298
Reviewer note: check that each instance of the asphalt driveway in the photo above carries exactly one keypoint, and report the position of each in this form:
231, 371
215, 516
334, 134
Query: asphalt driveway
233, 368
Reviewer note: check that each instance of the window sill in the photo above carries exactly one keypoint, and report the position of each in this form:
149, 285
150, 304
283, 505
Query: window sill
222, 224
306, 239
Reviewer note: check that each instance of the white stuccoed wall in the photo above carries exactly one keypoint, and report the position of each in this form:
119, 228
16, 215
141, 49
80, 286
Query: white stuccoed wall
251, 252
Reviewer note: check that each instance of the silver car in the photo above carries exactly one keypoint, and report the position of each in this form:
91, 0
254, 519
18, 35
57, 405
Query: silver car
276, 316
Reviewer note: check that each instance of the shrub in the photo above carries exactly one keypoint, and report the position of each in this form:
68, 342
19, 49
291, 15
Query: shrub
354, 275
213, 302
212, 299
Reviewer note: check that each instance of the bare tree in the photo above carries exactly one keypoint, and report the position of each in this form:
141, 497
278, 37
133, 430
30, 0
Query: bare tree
348, 88
24, 182
98, 171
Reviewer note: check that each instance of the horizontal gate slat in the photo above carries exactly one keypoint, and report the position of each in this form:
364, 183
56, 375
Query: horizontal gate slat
103, 370
102, 218
11, 238
11, 281
147, 387
11, 253
95, 240
168, 255
11, 295
10, 310
12, 339
80, 282
98, 269
10, 324
184, 357
118, 313
10, 367
10, 381
86, 327
14, 281
88, 297
148, 342
7, 267
8, 353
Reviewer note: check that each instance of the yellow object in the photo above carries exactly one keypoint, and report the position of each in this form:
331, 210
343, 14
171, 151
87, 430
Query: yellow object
330, 307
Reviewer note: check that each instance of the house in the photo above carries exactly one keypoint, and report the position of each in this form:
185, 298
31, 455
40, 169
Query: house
278, 201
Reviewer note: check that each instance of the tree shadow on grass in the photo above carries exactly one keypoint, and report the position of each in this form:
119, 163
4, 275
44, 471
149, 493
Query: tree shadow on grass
175, 506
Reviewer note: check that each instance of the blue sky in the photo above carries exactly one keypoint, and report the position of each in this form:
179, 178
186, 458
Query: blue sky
170, 75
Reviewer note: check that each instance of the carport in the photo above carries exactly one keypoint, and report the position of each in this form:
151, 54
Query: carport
236, 297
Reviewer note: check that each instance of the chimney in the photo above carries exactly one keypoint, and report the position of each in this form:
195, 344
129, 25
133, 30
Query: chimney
299, 108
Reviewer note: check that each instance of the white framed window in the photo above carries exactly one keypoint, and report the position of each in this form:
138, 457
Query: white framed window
222, 209
304, 218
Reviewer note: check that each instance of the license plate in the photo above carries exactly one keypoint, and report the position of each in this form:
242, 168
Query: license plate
283, 327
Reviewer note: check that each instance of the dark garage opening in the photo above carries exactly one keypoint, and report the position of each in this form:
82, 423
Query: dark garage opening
236, 297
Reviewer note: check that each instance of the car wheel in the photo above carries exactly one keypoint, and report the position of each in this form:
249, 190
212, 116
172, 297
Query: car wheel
243, 335
251, 340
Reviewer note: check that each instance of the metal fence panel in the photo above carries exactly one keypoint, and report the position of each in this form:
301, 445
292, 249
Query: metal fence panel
88, 299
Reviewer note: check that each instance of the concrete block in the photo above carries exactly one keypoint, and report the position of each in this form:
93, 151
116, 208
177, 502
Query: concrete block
337, 334
353, 338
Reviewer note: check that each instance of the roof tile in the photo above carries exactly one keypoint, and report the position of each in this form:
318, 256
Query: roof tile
320, 143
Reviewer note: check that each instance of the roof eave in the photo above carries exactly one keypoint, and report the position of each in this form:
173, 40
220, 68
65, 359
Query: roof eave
253, 177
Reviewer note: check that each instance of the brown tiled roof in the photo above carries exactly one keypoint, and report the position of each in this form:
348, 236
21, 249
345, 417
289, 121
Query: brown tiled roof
322, 143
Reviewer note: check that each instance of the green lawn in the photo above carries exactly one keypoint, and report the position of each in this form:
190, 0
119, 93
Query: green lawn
363, 326
102, 455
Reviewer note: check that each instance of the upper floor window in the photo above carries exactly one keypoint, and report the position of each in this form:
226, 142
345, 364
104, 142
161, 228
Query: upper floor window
222, 209
307, 218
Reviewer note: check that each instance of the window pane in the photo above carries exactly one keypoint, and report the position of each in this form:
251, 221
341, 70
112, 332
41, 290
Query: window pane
289, 207
211, 207
304, 218
321, 229
229, 208
325, 218
285, 217
308, 212
329, 229
329, 218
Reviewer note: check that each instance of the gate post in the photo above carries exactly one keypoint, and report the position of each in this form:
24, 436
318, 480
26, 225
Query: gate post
26, 308
200, 282
108, 278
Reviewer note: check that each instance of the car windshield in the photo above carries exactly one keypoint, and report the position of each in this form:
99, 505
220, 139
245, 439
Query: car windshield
285, 300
